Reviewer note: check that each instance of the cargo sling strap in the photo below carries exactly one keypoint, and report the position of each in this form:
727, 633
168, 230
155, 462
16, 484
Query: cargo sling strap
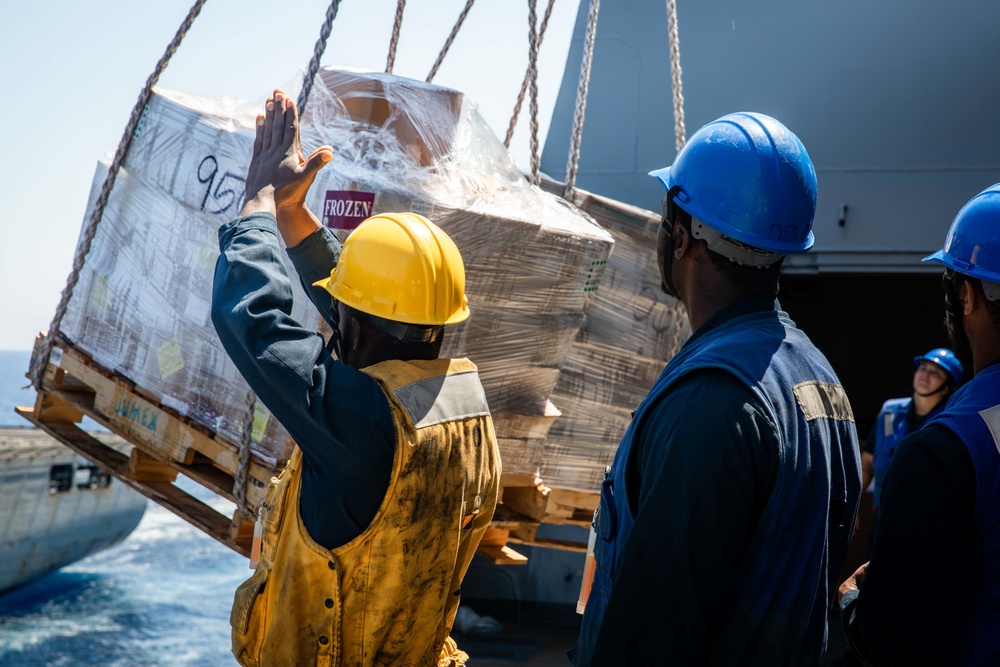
87, 239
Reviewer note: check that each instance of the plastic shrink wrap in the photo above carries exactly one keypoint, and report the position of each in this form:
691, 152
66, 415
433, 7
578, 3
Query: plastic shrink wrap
629, 333
534, 263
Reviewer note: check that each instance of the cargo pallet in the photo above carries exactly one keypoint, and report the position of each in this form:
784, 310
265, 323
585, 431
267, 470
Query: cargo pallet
165, 443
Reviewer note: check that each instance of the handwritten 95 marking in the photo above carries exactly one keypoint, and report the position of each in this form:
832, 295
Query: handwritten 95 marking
228, 189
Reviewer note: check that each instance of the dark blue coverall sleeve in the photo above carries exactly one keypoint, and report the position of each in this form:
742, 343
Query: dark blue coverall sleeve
337, 415
707, 465
313, 259
916, 575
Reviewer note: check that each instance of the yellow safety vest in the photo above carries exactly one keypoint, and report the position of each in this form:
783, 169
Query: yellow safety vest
389, 596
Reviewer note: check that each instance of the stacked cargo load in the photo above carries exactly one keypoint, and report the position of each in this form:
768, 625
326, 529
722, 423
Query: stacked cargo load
534, 262
630, 332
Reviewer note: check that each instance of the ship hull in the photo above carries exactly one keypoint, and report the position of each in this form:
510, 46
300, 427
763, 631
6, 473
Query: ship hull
56, 507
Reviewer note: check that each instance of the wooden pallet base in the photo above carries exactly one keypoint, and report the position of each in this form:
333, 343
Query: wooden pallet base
166, 444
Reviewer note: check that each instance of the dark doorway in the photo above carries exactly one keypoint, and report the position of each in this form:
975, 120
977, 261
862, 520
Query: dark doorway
870, 326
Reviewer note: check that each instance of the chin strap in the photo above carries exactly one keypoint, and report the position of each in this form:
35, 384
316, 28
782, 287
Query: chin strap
336, 342
936, 391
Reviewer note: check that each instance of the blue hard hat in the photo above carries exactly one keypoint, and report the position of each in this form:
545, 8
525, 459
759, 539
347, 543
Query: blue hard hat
972, 246
748, 177
946, 359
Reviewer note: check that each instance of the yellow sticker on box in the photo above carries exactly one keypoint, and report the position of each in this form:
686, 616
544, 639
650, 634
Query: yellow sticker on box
100, 292
261, 415
170, 358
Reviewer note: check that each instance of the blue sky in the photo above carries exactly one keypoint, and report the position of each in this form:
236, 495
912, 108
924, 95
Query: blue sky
71, 72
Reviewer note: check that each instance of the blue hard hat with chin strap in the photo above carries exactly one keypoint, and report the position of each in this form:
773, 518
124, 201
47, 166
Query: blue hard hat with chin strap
749, 178
946, 359
972, 246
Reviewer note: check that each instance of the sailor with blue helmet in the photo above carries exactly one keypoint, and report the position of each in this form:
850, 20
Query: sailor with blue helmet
931, 592
726, 515
937, 374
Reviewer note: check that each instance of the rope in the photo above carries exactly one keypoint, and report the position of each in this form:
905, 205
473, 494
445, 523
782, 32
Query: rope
324, 34
451, 38
243, 459
391, 60
680, 138
250, 401
42, 360
680, 133
581, 99
527, 78
536, 161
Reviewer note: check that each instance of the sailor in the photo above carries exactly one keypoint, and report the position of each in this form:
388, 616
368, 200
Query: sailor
936, 375
726, 515
931, 593
370, 528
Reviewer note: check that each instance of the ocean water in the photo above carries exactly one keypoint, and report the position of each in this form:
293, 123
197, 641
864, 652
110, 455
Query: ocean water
160, 598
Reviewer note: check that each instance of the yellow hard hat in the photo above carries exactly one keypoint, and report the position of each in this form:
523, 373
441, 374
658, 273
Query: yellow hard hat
401, 267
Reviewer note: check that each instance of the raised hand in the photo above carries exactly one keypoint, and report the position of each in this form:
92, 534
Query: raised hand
279, 174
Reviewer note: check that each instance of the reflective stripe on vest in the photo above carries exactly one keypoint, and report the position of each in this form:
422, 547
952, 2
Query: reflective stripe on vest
443, 399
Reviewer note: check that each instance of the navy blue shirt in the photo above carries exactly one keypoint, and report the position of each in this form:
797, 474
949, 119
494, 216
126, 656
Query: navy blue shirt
924, 541
337, 415
697, 507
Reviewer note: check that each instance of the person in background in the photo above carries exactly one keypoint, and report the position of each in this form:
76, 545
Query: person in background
931, 593
938, 374
370, 529
726, 515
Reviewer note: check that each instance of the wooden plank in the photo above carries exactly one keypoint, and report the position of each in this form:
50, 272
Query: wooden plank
241, 531
502, 555
529, 501
145, 468
135, 418
53, 409
114, 403
570, 507
551, 543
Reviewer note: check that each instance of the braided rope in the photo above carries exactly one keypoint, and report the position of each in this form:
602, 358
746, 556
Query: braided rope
527, 78
42, 360
536, 160
680, 133
581, 99
451, 38
243, 459
250, 400
324, 34
680, 138
394, 41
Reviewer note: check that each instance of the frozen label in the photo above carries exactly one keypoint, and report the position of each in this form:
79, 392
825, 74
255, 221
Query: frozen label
346, 209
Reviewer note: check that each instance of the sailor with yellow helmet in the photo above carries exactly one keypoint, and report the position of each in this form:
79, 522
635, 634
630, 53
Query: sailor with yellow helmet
371, 527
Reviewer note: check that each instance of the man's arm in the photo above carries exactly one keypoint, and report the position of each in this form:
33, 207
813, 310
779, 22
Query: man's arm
338, 415
313, 260
708, 463
925, 534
